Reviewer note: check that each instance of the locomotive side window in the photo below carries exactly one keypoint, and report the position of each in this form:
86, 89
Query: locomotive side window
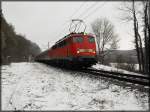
60, 44
78, 39
91, 39
54, 47
63, 43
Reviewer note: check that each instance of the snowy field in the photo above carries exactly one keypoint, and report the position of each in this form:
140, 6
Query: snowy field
35, 86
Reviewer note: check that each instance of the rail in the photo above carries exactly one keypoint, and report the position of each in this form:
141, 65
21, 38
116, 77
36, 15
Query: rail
132, 78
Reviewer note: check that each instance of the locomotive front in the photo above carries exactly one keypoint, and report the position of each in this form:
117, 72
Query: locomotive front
84, 49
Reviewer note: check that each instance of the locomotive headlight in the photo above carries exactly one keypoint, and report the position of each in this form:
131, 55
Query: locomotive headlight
78, 51
94, 52
86, 50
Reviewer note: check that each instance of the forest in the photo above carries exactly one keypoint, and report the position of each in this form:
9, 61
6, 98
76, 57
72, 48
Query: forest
15, 47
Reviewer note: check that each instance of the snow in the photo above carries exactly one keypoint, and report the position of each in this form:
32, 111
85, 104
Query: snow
108, 68
36, 86
136, 66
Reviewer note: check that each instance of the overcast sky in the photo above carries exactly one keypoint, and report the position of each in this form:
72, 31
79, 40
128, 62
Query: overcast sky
44, 22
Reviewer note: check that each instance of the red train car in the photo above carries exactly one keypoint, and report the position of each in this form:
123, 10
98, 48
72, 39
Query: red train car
75, 49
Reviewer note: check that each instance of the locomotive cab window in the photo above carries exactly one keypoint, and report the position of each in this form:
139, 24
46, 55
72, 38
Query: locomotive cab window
54, 47
78, 39
62, 44
91, 39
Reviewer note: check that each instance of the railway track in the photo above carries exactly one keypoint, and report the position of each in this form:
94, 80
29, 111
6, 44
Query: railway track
136, 79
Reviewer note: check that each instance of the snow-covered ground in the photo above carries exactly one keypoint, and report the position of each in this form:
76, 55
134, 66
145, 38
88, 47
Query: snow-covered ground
108, 68
36, 86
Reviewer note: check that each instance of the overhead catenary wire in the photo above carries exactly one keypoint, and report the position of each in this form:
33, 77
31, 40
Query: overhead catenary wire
63, 29
95, 10
70, 17
77, 10
84, 15
90, 11
86, 10
74, 13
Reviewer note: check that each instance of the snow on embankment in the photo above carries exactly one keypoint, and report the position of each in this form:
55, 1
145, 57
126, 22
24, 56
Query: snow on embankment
108, 68
35, 86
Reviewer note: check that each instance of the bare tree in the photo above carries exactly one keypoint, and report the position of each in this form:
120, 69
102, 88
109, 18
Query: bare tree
146, 30
114, 43
105, 36
133, 13
138, 43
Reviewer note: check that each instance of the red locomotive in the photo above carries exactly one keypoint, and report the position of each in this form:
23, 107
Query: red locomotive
75, 49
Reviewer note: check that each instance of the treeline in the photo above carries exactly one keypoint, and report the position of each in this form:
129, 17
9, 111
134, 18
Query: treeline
14, 47
143, 59
139, 14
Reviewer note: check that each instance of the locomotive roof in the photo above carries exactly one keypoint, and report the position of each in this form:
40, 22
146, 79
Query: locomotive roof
69, 35
73, 34
43, 52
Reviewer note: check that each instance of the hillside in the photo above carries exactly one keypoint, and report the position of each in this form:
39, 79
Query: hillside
15, 48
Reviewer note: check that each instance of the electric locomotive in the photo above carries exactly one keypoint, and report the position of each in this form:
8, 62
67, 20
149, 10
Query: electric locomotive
73, 50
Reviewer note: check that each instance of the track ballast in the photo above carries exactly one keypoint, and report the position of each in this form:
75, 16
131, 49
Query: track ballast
132, 78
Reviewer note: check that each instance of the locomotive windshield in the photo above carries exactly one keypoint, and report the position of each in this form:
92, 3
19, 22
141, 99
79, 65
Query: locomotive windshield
91, 39
78, 39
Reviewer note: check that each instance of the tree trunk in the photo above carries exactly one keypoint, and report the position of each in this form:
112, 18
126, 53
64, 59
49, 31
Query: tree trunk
147, 34
148, 14
141, 50
146, 38
136, 37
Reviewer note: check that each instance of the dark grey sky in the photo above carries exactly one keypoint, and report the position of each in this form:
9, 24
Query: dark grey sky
41, 22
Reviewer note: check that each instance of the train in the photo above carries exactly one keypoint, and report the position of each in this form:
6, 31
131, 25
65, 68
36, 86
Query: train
74, 50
